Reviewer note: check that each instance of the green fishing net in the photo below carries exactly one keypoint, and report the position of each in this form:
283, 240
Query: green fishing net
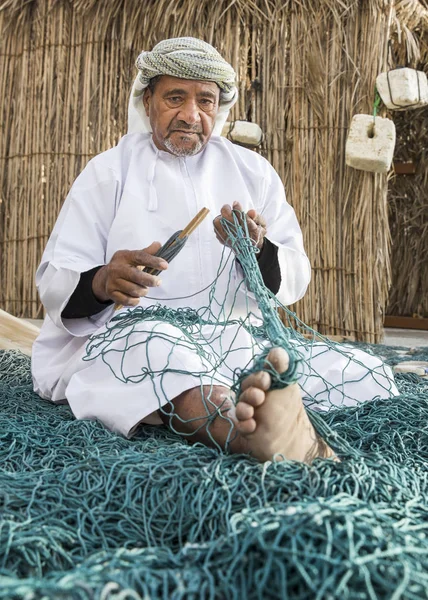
219, 345
86, 513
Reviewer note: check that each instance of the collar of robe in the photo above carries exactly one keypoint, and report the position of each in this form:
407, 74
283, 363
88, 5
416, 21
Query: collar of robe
153, 203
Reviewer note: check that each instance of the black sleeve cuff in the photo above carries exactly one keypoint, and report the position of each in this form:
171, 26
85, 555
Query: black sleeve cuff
269, 266
82, 302
268, 263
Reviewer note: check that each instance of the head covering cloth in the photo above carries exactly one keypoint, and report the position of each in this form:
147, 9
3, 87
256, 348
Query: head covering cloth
186, 58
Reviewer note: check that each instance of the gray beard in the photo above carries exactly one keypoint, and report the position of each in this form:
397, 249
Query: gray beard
177, 151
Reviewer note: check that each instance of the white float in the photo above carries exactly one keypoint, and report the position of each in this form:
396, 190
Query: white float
370, 144
416, 367
243, 132
403, 88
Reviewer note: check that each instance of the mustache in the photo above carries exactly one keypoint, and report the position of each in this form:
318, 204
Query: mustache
183, 126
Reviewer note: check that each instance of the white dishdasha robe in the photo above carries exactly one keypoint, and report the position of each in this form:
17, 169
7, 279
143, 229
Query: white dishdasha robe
128, 197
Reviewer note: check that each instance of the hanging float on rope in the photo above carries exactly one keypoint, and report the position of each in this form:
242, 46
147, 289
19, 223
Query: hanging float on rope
403, 88
243, 132
371, 141
370, 144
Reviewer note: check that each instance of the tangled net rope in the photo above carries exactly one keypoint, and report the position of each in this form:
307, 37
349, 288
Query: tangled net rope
214, 335
85, 513
89, 514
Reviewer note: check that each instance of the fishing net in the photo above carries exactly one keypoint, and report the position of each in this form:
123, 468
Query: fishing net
218, 345
86, 513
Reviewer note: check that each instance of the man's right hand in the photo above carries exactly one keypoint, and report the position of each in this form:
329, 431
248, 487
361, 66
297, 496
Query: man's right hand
122, 279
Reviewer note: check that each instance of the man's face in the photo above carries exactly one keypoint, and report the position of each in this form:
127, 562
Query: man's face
182, 114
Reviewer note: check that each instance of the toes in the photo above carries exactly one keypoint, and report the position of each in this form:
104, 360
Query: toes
244, 411
246, 427
259, 380
279, 359
252, 396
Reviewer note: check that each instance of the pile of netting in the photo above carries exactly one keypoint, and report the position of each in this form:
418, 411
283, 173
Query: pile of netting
88, 514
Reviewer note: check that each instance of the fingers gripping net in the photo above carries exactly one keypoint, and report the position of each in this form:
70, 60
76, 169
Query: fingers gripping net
216, 345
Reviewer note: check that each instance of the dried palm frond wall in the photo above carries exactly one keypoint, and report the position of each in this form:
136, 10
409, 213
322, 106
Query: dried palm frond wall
408, 194
304, 68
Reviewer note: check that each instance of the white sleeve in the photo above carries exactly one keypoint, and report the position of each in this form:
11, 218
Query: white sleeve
284, 231
78, 244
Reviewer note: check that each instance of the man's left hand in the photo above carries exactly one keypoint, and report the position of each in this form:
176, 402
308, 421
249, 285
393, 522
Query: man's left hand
255, 223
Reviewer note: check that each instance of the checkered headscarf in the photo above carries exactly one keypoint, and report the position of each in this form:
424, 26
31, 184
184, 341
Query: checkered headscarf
186, 58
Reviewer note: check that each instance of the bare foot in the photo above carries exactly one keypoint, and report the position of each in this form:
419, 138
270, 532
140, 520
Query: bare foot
276, 422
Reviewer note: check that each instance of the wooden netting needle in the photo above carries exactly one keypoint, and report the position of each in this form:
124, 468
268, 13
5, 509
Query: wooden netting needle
194, 223
190, 228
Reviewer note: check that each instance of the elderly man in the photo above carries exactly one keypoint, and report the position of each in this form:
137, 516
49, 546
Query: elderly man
128, 201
